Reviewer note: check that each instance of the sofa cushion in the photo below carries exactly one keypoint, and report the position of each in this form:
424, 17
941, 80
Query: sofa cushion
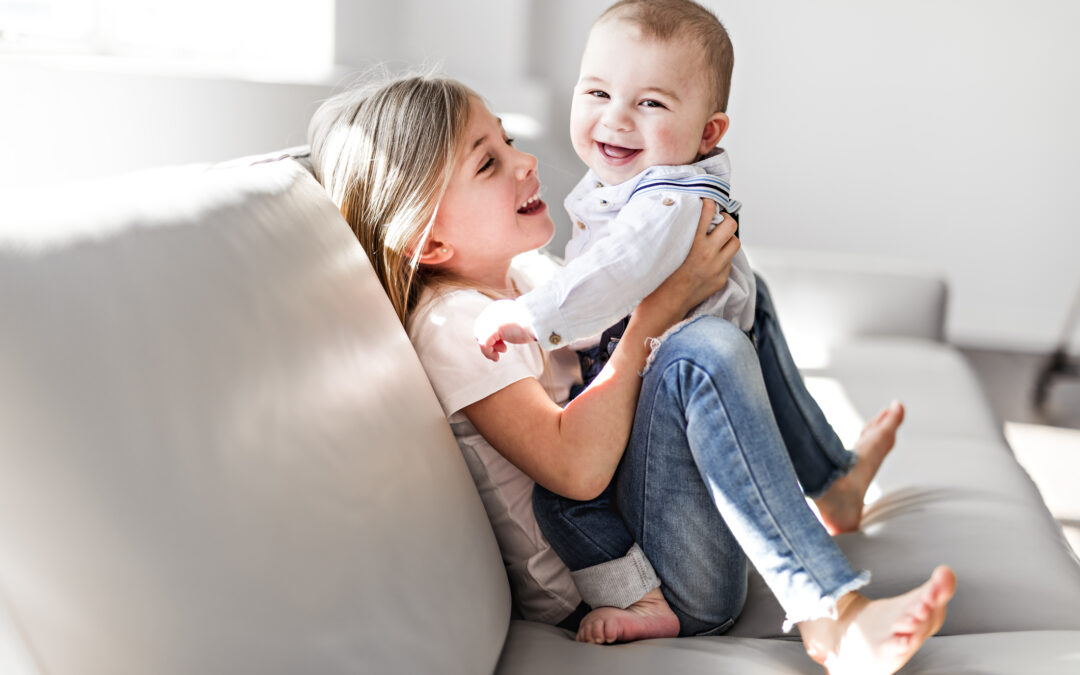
946, 396
536, 649
218, 451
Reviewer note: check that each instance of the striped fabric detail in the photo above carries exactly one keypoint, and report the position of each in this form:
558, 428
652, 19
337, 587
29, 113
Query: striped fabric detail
705, 186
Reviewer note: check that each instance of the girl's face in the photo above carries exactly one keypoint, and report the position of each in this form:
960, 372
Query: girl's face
491, 210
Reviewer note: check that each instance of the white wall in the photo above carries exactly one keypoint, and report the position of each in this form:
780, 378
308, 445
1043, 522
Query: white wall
64, 118
935, 130
938, 131
76, 120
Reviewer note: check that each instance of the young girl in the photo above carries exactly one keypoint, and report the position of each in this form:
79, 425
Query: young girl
443, 204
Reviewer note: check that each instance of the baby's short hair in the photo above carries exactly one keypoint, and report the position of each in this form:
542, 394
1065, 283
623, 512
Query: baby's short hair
669, 20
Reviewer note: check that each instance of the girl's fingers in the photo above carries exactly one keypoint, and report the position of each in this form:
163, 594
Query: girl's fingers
708, 210
731, 246
725, 230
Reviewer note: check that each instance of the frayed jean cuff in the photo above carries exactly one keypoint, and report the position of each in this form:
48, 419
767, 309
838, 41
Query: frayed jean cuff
826, 607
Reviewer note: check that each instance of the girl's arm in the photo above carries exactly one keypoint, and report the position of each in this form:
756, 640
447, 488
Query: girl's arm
573, 451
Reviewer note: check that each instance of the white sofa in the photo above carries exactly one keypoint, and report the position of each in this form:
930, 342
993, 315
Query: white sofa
219, 454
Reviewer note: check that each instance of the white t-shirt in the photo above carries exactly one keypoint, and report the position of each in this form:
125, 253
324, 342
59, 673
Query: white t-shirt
441, 330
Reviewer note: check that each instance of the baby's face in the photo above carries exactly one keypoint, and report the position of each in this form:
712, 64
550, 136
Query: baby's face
638, 103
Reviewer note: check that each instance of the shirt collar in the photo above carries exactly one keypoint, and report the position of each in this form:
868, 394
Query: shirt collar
715, 163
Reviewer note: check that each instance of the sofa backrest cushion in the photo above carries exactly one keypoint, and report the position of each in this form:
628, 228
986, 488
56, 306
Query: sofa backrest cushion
218, 451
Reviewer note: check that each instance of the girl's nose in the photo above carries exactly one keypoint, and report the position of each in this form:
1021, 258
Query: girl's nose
526, 165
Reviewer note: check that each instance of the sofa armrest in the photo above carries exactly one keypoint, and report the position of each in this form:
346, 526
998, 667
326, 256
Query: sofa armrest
825, 298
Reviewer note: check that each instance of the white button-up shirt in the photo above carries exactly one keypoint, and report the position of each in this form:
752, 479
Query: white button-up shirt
627, 239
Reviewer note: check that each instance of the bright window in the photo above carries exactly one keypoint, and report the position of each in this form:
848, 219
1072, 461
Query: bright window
262, 36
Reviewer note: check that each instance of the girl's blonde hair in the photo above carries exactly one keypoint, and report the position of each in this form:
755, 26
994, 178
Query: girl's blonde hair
385, 152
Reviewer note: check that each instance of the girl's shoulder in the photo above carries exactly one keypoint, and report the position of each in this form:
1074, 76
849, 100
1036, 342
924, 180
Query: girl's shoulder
443, 313
441, 303
441, 330
448, 299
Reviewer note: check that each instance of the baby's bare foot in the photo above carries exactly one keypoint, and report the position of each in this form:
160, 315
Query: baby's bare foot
649, 617
841, 506
879, 636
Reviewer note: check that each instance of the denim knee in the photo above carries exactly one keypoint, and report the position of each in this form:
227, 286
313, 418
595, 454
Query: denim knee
711, 343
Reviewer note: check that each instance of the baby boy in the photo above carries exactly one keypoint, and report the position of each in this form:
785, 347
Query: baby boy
646, 117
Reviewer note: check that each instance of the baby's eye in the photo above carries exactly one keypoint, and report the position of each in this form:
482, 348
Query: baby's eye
598, 93
487, 165
652, 103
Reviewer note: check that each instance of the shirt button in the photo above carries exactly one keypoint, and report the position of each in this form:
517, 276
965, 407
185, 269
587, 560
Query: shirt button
603, 202
580, 225
599, 184
668, 202
554, 338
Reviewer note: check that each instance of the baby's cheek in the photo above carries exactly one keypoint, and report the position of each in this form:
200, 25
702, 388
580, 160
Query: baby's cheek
676, 146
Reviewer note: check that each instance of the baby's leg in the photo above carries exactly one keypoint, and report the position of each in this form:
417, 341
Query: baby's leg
611, 572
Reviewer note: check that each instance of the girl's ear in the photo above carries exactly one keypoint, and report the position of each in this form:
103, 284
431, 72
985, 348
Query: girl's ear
434, 252
715, 128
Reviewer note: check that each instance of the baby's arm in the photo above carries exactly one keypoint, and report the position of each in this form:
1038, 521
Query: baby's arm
502, 322
648, 240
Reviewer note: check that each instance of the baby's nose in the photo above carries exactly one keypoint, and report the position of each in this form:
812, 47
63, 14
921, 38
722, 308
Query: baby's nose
615, 117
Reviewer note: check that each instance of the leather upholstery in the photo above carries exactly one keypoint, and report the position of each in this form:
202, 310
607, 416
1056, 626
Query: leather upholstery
218, 452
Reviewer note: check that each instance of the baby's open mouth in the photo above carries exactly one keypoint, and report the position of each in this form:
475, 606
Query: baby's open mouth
616, 152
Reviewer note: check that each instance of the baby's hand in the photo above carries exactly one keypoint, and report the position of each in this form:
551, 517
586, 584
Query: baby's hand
502, 321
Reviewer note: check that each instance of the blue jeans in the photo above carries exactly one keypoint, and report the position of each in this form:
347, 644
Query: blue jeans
722, 439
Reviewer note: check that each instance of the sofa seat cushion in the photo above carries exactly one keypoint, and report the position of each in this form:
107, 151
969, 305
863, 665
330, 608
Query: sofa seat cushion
537, 649
856, 378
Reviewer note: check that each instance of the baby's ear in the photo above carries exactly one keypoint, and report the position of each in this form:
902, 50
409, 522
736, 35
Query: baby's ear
715, 128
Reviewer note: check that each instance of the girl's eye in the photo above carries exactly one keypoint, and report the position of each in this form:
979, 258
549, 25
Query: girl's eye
487, 165
509, 141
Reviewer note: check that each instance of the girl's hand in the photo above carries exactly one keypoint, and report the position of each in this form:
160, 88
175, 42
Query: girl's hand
705, 270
